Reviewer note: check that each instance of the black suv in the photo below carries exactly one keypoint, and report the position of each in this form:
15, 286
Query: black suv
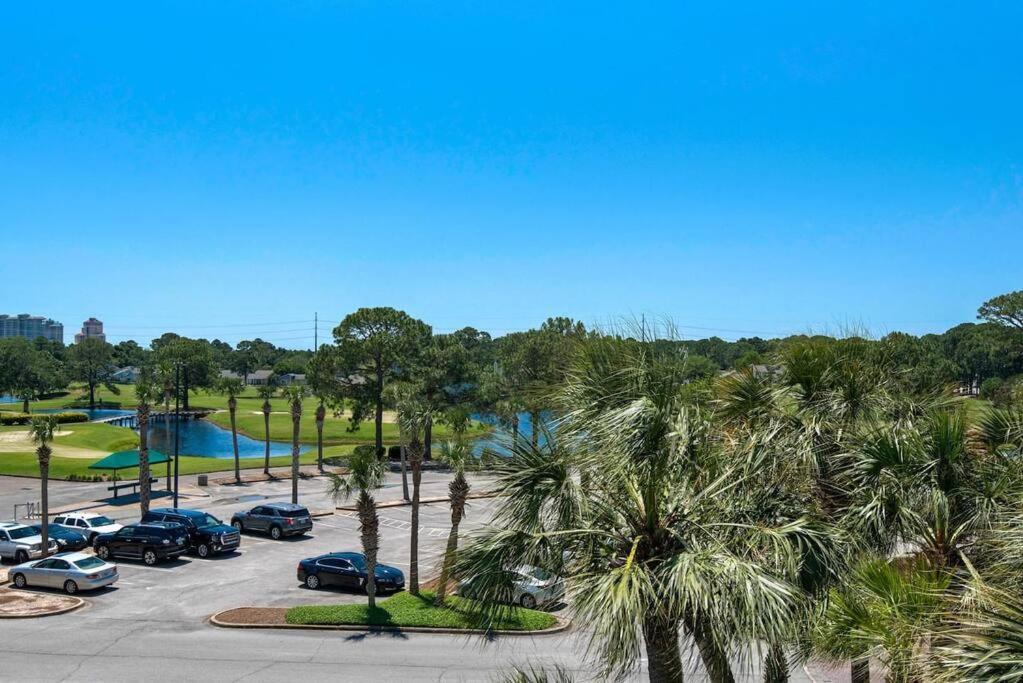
206, 533
149, 542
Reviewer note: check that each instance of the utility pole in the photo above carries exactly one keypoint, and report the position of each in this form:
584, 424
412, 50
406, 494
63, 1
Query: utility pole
177, 426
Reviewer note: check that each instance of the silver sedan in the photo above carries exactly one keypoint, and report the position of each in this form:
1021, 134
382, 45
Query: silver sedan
71, 571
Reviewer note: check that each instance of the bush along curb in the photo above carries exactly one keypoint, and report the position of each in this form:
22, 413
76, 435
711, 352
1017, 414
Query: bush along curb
560, 626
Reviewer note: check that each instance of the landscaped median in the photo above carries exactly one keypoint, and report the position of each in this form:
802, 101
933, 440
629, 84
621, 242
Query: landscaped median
401, 612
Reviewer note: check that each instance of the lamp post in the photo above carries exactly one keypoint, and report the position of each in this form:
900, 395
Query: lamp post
177, 425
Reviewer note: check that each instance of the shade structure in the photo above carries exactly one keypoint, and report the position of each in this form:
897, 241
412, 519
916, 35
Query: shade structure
123, 459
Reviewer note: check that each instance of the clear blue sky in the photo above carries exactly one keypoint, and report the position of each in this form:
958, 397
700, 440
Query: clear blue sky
226, 169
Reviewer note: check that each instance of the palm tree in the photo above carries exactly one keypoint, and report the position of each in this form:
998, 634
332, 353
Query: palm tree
294, 394
884, 611
365, 473
680, 526
165, 378
457, 455
321, 415
413, 420
232, 387
43, 430
145, 394
266, 392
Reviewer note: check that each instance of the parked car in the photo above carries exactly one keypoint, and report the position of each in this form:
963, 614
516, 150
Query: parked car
347, 570
150, 542
88, 523
207, 535
21, 543
66, 539
71, 571
277, 519
530, 587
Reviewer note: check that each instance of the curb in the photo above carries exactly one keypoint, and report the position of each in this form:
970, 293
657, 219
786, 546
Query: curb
62, 610
400, 502
559, 627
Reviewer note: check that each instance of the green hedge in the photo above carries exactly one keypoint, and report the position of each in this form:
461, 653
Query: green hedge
8, 419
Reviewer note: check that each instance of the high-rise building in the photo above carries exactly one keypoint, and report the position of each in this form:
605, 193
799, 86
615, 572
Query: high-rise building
91, 329
31, 327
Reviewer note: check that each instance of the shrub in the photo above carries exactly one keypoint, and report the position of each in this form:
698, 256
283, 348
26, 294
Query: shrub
8, 419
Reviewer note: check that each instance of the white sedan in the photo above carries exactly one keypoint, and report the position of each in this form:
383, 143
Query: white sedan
72, 572
531, 586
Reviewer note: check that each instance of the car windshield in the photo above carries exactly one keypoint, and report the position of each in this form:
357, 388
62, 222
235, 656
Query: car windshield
301, 512
89, 563
208, 520
99, 521
23, 532
537, 573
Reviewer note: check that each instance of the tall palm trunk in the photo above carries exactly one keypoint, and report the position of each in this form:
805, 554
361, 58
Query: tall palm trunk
416, 457
43, 453
379, 416
776, 665
534, 428
232, 407
321, 415
428, 438
296, 419
714, 657
404, 473
145, 487
664, 656
458, 492
266, 424
369, 528
515, 427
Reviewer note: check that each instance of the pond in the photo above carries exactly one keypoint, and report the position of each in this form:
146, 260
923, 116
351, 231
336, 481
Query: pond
205, 439
197, 437
93, 413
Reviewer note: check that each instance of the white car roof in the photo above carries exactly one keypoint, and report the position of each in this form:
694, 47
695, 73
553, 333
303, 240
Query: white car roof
72, 557
12, 525
83, 515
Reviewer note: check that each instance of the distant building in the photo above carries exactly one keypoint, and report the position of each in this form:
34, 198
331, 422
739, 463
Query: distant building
289, 378
255, 378
31, 327
126, 375
91, 329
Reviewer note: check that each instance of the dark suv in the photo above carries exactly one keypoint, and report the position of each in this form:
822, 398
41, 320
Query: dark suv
276, 519
206, 534
149, 542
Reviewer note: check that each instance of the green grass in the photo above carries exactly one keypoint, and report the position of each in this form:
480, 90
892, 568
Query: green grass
102, 437
26, 465
335, 430
405, 609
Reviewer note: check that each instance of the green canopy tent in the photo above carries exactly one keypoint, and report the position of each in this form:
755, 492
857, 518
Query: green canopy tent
123, 460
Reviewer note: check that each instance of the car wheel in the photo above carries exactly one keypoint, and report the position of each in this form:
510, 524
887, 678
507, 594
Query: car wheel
312, 581
237, 524
275, 533
527, 601
20, 581
103, 552
20, 557
92, 538
150, 558
70, 587
203, 550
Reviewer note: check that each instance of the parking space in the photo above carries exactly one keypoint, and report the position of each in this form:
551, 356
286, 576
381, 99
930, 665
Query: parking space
262, 571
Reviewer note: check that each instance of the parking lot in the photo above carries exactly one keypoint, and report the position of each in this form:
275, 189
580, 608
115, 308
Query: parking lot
262, 571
